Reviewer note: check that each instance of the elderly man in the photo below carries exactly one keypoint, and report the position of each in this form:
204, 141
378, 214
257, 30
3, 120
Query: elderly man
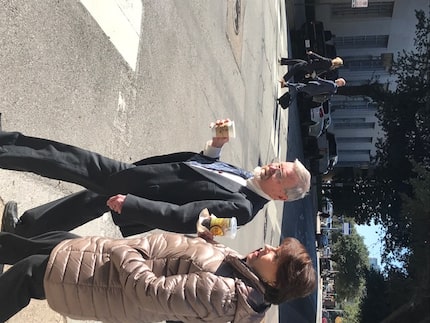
166, 192
320, 90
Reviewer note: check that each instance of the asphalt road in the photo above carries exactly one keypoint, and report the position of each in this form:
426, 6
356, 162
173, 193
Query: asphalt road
63, 78
299, 222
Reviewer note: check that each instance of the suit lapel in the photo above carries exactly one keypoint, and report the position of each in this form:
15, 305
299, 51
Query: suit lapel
257, 201
228, 184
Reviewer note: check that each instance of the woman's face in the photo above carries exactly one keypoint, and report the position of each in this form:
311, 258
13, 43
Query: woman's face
264, 262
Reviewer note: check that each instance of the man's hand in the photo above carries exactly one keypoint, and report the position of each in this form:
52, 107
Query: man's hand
283, 83
116, 202
218, 142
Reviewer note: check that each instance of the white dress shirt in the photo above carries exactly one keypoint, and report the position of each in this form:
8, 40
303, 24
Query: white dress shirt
251, 183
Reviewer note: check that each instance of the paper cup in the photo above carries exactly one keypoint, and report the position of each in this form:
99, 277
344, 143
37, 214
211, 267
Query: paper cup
226, 227
227, 129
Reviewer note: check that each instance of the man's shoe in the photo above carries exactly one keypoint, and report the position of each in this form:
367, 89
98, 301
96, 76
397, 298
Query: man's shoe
10, 217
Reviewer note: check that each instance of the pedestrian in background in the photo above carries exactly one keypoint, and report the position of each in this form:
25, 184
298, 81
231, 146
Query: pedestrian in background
320, 90
304, 71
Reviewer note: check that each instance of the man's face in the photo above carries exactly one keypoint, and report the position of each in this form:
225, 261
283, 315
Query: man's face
276, 177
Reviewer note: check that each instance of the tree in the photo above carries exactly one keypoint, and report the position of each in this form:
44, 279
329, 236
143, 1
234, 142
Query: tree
397, 194
402, 294
416, 210
351, 257
374, 305
405, 117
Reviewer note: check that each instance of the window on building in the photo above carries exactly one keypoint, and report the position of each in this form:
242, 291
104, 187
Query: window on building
364, 63
354, 125
355, 164
349, 105
374, 9
365, 41
354, 152
349, 120
357, 140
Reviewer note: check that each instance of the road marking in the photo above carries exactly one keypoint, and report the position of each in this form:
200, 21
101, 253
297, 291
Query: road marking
120, 20
120, 121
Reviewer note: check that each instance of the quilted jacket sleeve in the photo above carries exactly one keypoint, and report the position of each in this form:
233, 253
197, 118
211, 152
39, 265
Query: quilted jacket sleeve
193, 297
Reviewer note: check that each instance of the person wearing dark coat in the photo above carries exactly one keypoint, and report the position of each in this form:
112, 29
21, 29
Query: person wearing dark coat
318, 86
303, 70
320, 90
166, 192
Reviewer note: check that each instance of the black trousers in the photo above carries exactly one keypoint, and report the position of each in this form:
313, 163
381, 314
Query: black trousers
291, 61
299, 70
24, 280
63, 162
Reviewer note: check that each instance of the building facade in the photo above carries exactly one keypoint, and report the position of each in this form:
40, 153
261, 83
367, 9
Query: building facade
368, 39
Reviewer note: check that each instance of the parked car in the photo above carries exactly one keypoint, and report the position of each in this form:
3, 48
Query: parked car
327, 206
320, 119
315, 117
322, 240
322, 153
327, 147
327, 115
311, 152
317, 121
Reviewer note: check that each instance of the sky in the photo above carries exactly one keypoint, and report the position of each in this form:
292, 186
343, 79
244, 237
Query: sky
371, 234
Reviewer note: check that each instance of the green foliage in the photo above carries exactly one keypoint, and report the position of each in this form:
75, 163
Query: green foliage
403, 293
351, 312
405, 118
416, 210
351, 257
397, 193
374, 305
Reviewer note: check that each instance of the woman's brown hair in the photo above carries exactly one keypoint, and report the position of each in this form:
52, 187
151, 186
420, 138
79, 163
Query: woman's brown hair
296, 276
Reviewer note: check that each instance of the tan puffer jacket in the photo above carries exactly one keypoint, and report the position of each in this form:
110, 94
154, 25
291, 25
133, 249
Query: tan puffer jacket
153, 278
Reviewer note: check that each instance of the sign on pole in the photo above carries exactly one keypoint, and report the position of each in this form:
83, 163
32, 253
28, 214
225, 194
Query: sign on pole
360, 3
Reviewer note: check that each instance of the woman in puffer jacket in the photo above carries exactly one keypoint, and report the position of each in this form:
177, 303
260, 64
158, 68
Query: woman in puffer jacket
156, 277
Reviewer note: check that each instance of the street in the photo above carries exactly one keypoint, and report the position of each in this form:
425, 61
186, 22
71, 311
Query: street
131, 92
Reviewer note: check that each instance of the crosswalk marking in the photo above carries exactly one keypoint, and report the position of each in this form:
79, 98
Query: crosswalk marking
120, 20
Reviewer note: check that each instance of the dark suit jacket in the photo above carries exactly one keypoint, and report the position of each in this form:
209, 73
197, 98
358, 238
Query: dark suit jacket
167, 193
162, 191
318, 86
